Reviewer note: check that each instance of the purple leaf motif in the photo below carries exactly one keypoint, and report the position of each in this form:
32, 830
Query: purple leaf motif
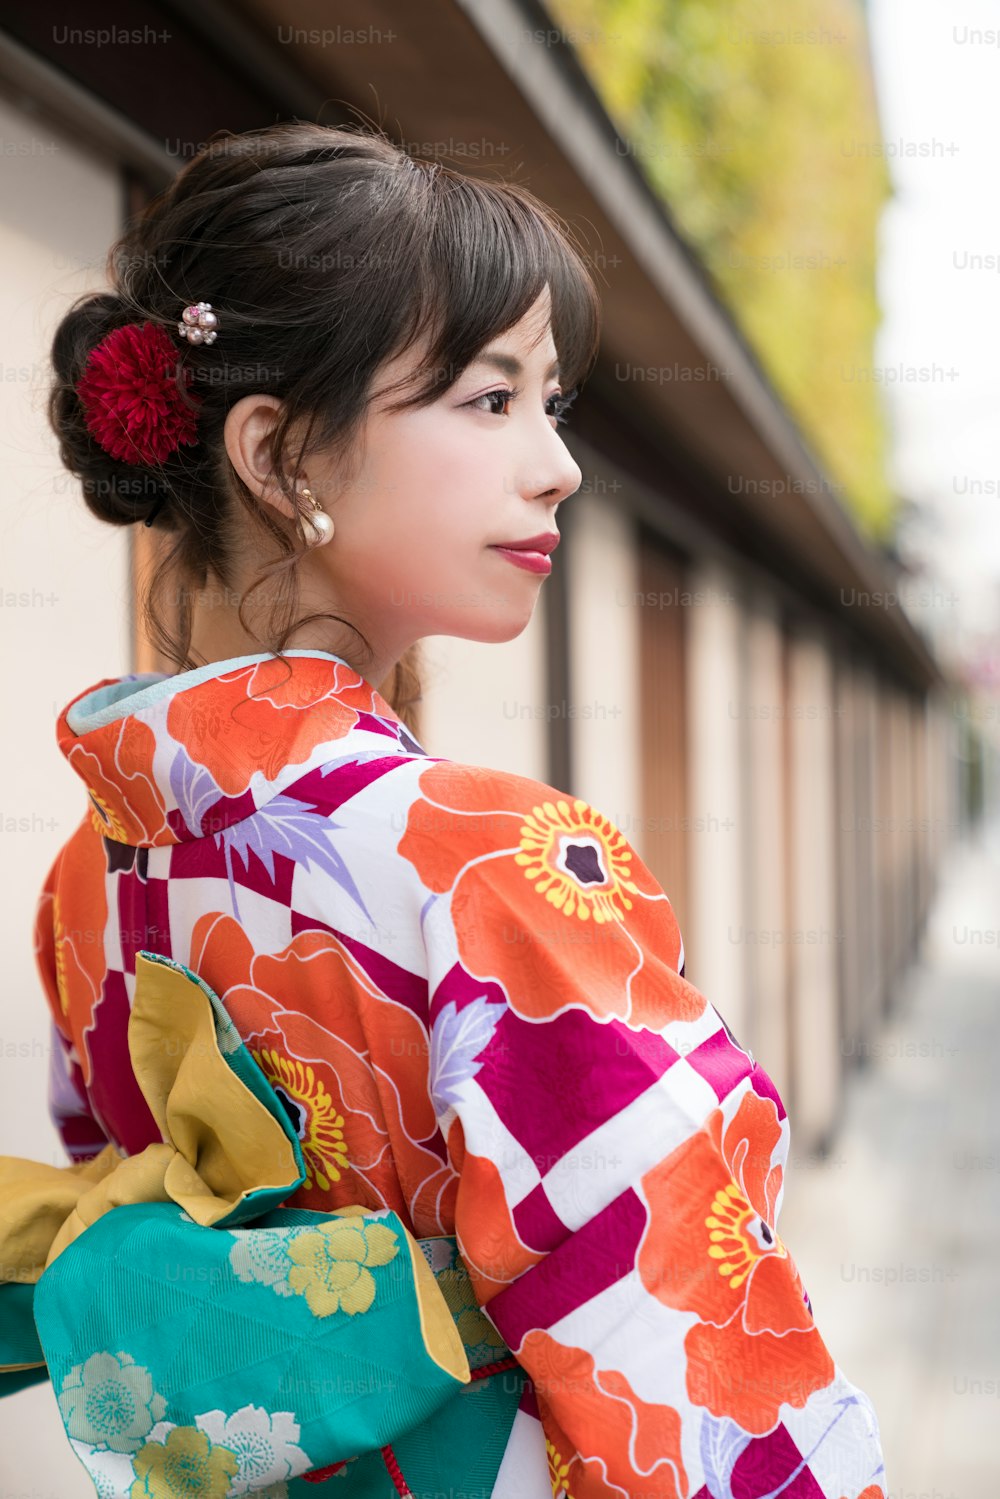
722, 1442
457, 1039
286, 826
194, 788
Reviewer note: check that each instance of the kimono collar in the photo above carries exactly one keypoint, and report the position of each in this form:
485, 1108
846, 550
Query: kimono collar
168, 759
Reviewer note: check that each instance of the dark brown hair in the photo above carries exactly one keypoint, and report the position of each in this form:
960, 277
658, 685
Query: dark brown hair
325, 252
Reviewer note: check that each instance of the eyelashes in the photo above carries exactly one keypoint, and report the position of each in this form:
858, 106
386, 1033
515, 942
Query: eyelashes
559, 405
564, 405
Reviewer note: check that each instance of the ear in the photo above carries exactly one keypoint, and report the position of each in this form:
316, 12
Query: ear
247, 434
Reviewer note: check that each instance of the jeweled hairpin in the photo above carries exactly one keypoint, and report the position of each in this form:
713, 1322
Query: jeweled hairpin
199, 324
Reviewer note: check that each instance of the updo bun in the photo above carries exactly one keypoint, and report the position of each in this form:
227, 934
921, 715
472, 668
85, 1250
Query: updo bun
116, 492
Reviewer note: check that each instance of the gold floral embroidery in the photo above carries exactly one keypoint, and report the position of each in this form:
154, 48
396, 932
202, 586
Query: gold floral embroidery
104, 820
320, 1126
476, 1330
329, 1265
558, 1472
732, 1237
186, 1466
59, 937
577, 859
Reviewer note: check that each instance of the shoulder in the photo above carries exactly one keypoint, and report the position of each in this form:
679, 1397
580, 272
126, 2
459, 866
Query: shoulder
459, 814
537, 873
479, 791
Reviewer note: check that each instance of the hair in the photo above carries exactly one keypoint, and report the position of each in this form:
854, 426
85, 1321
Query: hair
325, 253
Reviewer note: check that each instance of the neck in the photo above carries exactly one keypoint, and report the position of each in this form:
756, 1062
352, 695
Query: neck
217, 635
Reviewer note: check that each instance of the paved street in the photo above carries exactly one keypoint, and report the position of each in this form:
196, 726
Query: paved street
896, 1235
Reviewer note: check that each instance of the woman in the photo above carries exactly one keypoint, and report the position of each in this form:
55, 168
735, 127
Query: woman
464, 986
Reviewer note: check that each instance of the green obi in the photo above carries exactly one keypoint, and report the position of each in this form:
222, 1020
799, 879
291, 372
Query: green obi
203, 1340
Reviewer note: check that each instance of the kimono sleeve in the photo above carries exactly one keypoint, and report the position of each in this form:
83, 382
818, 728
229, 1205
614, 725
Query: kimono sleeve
68, 1106
620, 1160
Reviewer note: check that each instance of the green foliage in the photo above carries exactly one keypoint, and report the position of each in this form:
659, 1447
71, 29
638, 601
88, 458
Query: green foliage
757, 125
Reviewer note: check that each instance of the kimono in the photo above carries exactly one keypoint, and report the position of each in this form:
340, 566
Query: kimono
462, 992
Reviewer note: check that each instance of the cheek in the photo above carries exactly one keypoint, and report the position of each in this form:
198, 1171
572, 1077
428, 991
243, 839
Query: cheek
429, 523
432, 561
408, 551
437, 456
430, 506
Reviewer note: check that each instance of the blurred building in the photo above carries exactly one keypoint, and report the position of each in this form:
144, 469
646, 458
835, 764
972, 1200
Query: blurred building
712, 663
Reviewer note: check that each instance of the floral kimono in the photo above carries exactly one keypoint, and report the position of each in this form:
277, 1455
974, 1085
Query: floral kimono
458, 997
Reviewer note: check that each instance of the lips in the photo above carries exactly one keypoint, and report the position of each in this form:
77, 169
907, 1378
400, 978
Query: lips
525, 557
545, 543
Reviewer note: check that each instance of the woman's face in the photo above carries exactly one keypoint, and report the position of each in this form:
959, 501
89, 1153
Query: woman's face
414, 550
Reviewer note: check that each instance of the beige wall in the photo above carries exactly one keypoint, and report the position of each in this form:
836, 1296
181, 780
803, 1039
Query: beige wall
814, 935
718, 710
486, 704
604, 623
853, 842
767, 999
872, 974
63, 626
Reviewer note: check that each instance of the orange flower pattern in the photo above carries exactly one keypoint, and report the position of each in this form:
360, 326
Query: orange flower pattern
468, 992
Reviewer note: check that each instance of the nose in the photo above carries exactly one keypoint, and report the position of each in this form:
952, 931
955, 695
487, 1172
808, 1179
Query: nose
562, 477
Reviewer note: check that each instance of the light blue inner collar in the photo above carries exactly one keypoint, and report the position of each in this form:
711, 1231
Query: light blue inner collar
134, 693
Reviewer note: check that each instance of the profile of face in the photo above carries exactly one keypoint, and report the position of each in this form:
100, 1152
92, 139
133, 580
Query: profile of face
437, 490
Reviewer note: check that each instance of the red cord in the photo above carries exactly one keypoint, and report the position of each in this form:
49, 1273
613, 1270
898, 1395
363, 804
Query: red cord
319, 1475
393, 1469
487, 1369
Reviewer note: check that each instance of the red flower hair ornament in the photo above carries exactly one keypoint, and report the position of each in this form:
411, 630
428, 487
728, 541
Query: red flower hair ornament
133, 405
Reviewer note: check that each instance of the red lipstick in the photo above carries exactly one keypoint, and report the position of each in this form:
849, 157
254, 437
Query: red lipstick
531, 554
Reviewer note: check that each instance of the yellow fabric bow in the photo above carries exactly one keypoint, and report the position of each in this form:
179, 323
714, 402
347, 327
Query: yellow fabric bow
221, 1144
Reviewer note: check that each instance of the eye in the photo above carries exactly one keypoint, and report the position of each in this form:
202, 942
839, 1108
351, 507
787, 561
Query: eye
557, 405
494, 395
561, 405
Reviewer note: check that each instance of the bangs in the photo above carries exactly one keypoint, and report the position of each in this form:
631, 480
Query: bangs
488, 252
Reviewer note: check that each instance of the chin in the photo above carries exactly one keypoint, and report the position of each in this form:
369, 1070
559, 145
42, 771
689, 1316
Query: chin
492, 629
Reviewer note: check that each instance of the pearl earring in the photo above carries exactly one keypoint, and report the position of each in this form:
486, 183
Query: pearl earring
317, 521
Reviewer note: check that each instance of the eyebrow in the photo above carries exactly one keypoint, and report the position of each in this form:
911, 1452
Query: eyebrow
508, 365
